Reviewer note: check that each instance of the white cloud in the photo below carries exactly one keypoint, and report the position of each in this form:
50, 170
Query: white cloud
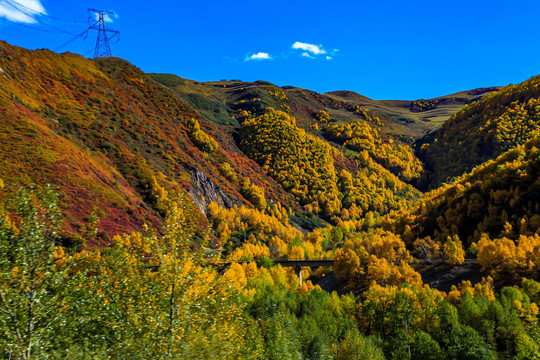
329, 58
306, 54
314, 49
22, 11
259, 56
108, 18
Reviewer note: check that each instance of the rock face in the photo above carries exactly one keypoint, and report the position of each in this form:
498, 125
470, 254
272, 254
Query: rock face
204, 191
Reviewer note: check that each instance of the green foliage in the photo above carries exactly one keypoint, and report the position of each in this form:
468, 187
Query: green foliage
211, 109
34, 296
114, 303
266, 262
425, 347
109, 303
200, 102
358, 347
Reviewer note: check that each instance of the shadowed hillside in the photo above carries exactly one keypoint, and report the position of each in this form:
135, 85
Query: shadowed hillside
482, 130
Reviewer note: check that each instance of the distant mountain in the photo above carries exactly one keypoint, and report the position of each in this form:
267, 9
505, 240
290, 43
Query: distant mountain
407, 120
415, 118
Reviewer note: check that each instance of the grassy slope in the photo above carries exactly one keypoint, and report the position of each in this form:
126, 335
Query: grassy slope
408, 117
401, 118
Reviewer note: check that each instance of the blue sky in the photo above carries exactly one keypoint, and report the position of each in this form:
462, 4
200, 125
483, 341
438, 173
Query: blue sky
381, 49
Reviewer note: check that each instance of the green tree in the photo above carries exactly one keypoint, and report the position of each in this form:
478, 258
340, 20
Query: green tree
355, 346
33, 286
425, 348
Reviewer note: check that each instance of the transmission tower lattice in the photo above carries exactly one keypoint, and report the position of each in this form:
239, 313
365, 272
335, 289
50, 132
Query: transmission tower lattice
103, 49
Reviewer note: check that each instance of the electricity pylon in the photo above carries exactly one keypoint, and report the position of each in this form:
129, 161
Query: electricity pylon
103, 49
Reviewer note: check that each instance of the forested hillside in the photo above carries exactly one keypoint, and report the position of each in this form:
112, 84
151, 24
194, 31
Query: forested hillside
109, 137
494, 211
148, 216
481, 130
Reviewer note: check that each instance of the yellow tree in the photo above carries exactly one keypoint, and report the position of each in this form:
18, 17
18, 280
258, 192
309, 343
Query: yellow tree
347, 264
453, 250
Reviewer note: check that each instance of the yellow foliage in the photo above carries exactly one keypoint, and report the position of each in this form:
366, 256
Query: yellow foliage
379, 271
381, 256
427, 248
278, 248
453, 250
454, 296
279, 276
322, 116
301, 163
297, 252
360, 136
236, 275
504, 255
250, 251
228, 171
247, 219
254, 194
201, 139
347, 265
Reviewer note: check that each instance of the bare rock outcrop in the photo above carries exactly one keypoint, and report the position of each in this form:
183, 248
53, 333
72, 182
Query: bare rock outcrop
204, 191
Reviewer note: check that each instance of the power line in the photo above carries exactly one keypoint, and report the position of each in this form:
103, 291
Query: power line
30, 27
14, 3
103, 48
31, 14
84, 33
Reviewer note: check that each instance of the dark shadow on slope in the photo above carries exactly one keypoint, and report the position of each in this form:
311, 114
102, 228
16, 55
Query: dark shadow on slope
441, 275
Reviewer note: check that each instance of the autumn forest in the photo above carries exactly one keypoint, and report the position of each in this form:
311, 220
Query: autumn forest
148, 216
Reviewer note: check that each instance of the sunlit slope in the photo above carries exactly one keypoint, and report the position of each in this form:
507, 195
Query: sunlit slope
224, 102
109, 137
